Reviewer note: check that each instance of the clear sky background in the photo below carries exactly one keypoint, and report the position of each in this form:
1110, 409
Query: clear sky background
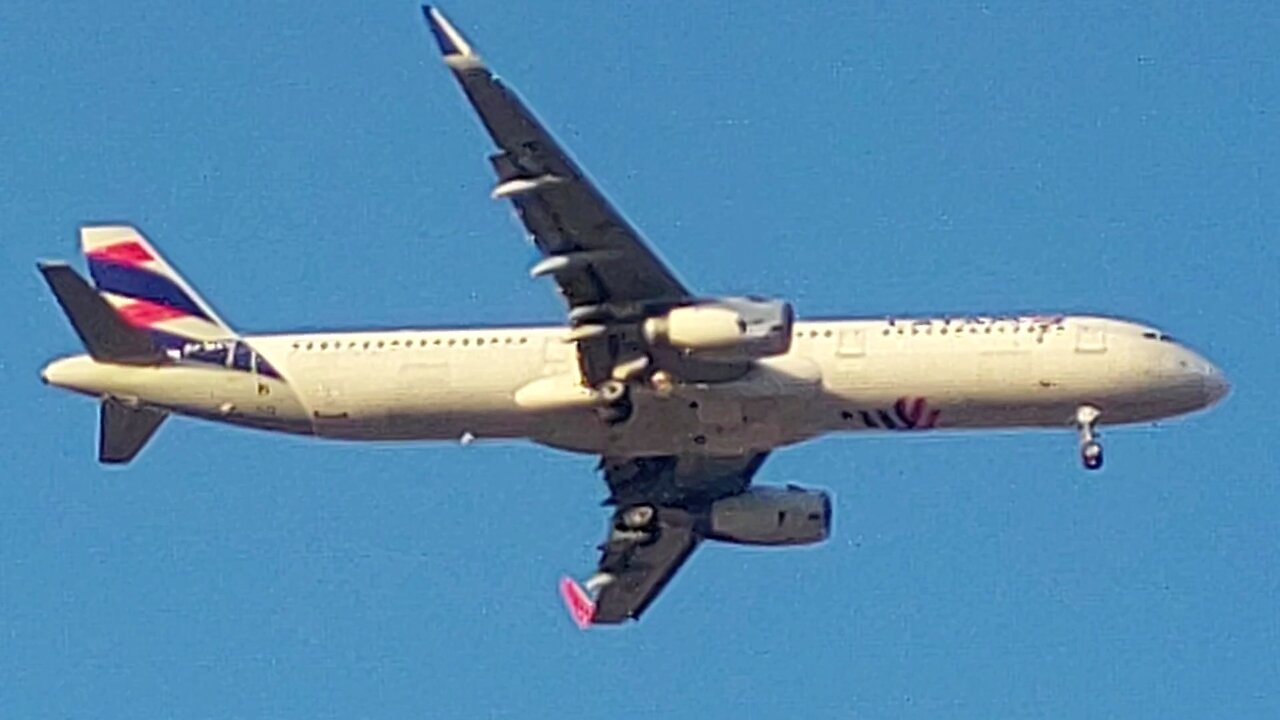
309, 164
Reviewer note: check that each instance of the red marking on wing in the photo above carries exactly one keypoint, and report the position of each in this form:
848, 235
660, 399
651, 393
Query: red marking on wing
580, 606
128, 252
145, 314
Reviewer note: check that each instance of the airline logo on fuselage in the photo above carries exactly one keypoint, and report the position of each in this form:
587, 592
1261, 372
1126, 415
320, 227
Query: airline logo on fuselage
908, 413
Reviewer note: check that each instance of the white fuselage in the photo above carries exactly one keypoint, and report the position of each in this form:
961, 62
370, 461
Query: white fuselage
523, 382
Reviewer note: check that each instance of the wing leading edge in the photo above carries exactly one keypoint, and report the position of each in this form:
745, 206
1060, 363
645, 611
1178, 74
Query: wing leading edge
604, 269
599, 256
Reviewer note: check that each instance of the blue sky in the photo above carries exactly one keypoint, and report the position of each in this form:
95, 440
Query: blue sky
313, 164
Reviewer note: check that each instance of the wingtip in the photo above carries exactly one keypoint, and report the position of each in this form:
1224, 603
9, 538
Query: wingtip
447, 37
46, 265
582, 609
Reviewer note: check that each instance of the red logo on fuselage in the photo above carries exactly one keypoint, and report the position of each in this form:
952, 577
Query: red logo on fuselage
907, 413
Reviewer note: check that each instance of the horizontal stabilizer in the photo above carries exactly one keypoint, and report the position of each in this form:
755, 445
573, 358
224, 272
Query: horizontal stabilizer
124, 430
106, 335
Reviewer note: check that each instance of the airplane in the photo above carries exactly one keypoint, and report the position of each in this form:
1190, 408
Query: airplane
682, 396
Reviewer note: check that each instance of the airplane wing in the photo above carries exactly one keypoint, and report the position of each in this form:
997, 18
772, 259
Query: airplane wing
640, 570
659, 522
603, 267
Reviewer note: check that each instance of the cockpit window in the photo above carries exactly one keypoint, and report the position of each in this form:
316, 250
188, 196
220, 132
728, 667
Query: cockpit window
1153, 335
209, 352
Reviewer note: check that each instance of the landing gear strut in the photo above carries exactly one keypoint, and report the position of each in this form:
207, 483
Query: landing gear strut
1087, 425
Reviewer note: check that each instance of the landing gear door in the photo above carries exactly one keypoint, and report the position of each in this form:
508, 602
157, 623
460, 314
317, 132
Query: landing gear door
1091, 338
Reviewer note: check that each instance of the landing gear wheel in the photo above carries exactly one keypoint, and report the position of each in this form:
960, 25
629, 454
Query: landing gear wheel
613, 391
617, 398
1091, 455
637, 517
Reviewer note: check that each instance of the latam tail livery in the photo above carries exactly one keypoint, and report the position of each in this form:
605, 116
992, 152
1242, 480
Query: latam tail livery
682, 396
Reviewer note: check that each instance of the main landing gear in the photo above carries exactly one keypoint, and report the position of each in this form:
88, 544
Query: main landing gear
637, 518
615, 397
1087, 425
615, 393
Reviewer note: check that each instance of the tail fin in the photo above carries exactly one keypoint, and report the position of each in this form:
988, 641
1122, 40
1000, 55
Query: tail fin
124, 430
145, 290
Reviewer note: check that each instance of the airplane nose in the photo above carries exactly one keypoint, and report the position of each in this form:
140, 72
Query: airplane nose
1214, 383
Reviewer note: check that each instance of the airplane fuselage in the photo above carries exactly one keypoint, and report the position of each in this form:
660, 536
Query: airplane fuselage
523, 382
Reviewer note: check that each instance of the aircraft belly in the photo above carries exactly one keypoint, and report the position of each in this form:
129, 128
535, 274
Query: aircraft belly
708, 422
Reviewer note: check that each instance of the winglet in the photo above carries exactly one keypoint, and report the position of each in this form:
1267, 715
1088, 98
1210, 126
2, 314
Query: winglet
581, 608
451, 42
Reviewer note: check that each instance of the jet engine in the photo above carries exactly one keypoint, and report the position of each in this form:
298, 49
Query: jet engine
772, 516
728, 329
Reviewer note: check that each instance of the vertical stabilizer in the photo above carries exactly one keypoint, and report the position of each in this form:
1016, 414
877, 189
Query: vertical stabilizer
147, 292
124, 430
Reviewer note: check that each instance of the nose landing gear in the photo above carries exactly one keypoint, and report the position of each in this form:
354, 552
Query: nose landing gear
1087, 425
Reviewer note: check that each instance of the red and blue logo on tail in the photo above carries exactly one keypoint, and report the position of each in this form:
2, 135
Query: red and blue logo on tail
149, 294
146, 290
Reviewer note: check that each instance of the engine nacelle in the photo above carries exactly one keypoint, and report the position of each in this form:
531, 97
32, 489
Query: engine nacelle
728, 329
772, 516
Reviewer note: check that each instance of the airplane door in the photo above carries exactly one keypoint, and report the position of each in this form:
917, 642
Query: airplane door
851, 356
853, 343
1091, 338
